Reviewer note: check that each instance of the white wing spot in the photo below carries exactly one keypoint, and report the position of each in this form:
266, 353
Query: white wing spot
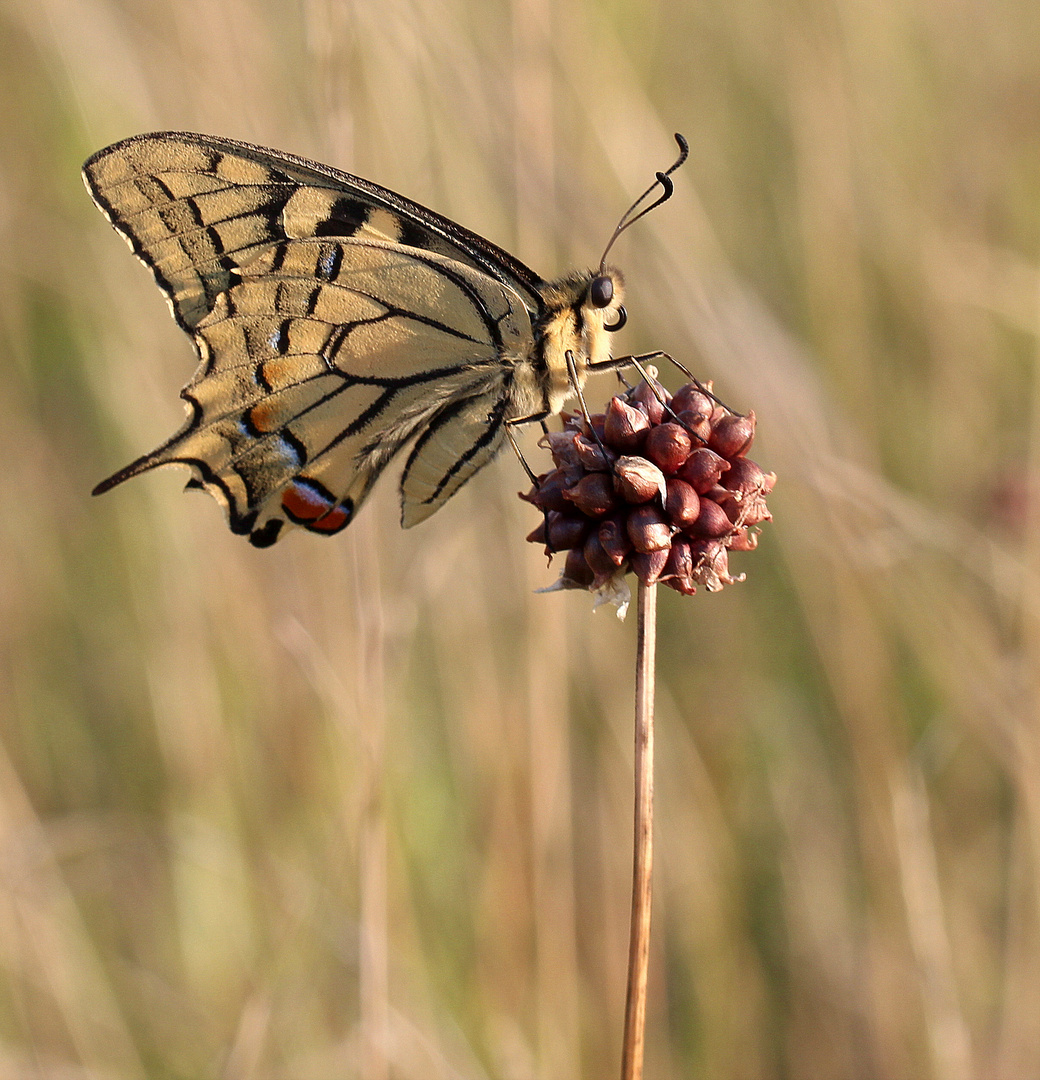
327, 264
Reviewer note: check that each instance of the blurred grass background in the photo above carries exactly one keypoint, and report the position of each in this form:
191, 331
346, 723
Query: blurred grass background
361, 807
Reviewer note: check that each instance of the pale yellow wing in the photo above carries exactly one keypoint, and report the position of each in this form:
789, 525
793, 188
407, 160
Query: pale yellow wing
321, 360
195, 207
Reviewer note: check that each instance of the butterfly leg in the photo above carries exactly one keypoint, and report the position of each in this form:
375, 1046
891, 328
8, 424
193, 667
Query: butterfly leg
572, 372
508, 425
616, 363
638, 362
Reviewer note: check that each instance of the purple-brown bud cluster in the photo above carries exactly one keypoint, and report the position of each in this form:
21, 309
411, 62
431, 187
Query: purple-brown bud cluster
660, 486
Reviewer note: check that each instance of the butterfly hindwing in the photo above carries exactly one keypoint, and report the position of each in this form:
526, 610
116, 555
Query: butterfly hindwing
321, 359
460, 440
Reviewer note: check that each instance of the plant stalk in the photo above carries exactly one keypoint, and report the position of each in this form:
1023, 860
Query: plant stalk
643, 856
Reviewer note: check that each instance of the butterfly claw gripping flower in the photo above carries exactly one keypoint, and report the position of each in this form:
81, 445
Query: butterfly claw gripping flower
660, 487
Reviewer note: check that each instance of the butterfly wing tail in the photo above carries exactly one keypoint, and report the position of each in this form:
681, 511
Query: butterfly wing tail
135, 468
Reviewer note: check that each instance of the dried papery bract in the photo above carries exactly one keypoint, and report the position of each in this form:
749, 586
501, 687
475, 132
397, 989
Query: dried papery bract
661, 487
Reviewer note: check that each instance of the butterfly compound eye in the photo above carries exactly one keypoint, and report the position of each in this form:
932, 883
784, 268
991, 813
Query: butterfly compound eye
601, 291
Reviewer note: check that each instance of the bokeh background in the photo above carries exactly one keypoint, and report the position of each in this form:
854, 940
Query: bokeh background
361, 807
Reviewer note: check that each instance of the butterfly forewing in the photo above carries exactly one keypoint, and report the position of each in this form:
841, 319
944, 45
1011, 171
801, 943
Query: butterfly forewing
194, 207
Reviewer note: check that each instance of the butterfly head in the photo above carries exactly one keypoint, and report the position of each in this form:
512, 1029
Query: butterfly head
600, 309
581, 311
604, 294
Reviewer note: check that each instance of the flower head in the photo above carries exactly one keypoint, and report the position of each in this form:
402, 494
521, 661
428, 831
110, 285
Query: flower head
658, 485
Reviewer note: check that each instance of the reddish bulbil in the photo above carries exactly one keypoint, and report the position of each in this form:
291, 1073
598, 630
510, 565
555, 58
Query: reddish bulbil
731, 435
702, 469
593, 494
652, 400
681, 504
625, 427
668, 445
659, 486
637, 480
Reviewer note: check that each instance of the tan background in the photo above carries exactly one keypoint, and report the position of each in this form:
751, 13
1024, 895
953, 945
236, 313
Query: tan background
361, 807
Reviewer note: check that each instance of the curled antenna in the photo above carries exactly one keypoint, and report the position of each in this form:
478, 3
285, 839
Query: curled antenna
631, 216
